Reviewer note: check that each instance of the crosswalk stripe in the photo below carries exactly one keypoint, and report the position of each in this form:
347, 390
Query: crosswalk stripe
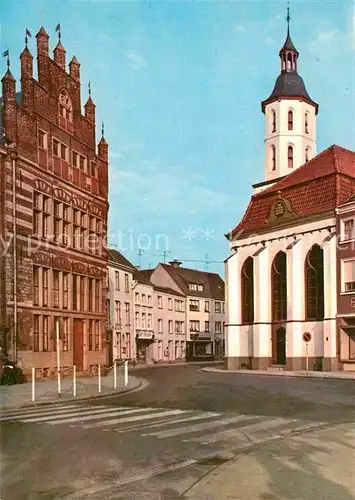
198, 427
135, 419
235, 434
50, 407
103, 416
164, 423
37, 412
71, 413
266, 425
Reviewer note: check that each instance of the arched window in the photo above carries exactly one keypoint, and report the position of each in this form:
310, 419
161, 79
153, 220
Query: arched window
273, 121
306, 123
290, 156
273, 157
65, 106
289, 61
290, 120
247, 276
279, 287
314, 281
307, 155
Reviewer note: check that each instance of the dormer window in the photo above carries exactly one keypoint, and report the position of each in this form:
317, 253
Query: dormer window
290, 120
290, 156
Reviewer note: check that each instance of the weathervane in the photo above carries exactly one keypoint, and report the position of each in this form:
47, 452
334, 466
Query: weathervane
288, 17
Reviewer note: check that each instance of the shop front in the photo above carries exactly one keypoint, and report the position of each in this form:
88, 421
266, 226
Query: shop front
145, 346
199, 348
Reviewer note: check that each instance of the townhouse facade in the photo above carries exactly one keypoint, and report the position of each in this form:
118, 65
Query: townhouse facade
53, 207
345, 227
120, 306
143, 348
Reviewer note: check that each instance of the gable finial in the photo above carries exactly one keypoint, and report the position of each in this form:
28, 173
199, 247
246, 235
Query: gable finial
58, 30
288, 18
27, 34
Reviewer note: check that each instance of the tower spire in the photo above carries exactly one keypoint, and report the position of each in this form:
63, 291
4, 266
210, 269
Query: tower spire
288, 18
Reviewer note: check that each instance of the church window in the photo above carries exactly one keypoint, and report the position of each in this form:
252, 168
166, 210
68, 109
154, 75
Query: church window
247, 276
290, 156
314, 277
273, 123
279, 287
273, 157
289, 61
290, 120
306, 128
307, 155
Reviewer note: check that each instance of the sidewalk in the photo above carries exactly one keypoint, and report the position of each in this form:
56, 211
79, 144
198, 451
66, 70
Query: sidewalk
316, 465
283, 373
46, 391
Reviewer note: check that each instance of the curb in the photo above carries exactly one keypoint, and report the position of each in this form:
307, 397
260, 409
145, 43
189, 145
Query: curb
170, 365
65, 400
331, 375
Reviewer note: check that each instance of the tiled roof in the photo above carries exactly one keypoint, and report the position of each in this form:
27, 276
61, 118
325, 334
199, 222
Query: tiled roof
142, 277
116, 257
164, 289
318, 186
145, 274
213, 285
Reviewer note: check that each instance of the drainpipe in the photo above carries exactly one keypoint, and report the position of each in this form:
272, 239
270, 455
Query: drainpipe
14, 330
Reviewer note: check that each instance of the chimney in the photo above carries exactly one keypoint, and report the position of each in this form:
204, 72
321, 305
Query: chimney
175, 263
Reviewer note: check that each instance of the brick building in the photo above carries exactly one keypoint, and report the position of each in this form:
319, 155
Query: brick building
346, 283
53, 217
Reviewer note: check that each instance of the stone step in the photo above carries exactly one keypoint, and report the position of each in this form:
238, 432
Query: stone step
275, 368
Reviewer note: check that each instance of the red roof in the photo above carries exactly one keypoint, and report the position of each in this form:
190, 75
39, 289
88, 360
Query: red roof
318, 186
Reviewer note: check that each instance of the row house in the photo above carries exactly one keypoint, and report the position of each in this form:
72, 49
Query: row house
53, 217
120, 306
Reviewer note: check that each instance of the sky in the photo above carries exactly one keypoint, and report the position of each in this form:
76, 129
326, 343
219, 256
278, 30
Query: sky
178, 86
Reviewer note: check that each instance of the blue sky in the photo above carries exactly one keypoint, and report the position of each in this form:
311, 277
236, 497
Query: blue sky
179, 85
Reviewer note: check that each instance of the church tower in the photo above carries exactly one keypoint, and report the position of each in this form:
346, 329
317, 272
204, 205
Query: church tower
290, 116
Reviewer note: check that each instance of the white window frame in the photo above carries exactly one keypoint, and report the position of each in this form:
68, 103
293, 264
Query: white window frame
342, 228
342, 265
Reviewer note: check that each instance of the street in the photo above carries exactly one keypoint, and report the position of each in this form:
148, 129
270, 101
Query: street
157, 442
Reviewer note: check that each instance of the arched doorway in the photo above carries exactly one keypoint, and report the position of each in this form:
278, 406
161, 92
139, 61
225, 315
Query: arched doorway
279, 347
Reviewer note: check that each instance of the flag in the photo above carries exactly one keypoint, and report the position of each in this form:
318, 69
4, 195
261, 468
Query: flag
57, 28
6, 53
28, 33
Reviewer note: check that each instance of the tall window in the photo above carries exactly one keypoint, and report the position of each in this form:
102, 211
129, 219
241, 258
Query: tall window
207, 326
91, 294
45, 342
348, 276
55, 288
207, 306
160, 326
97, 335
82, 293
170, 326
118, 311
290, 156
279, 287
273, 157
65, 290
65, 111
36, 332
307, 155
65, 334
349, 229
194, 326
97, 296
290, 120
314, 274
127, 313
35, 286
75, 292
126, 283
248, 291
218, 307
117, 280
273, 121
45, 287
306, 127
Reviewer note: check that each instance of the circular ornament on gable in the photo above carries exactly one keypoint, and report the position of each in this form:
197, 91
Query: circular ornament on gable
279, 208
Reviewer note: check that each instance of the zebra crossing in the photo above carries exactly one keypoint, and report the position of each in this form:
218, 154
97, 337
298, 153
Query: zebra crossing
201, 427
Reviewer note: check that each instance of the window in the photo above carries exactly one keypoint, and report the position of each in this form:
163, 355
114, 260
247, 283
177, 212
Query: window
63, 152
65, 334
194, 305
273, 121
279, 287
45, 287
137, 297
170, 326
91, 335
137, 319
97, 296
218, 307
82, 293
290, 156
149, 300
314, 280
170, 304
118, 312
160, 301
143, 320
247, 276
160, 326
36, 332
290, 120
42, 139
143, 298
56, 147
65, 110
45, 337
55, 288
117, 280
126, 283
35, 286
75, 292
194, 326
349, 229
150, 321
218, 327
273, 157
75, 159
179, 326
93, 169
65, 290
82, 163
179, 305
207, 306
348, 275
306, 128
91, 289
127, 313
307, 155
41, 214
207, 326
97, 335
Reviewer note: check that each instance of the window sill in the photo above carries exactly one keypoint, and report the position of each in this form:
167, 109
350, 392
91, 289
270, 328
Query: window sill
348, 293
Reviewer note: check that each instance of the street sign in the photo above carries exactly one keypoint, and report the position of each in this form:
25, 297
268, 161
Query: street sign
307, 336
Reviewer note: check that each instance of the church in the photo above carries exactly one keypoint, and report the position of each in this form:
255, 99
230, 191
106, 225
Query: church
281, 274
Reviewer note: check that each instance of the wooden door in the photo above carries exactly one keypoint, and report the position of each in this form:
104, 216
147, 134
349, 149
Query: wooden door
281, 346
78, 338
